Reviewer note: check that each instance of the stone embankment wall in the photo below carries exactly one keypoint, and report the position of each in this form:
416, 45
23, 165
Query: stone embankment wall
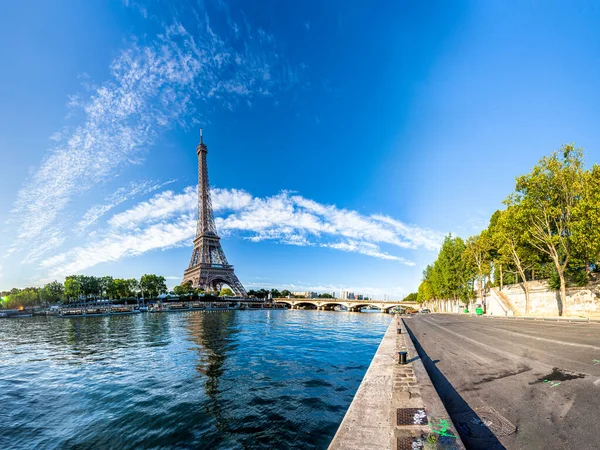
543, 301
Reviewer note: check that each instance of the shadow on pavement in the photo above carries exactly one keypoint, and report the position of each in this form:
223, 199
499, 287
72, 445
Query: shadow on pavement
473, 431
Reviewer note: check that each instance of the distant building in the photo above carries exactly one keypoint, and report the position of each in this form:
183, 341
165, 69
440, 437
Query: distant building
305, 294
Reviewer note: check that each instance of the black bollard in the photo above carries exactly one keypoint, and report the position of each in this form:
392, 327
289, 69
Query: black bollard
402, 357
399, 330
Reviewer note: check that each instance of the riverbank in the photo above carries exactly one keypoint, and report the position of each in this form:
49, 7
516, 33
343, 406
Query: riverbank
396, 406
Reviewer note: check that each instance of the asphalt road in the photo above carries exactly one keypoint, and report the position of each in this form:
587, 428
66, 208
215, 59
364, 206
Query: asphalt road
514, 384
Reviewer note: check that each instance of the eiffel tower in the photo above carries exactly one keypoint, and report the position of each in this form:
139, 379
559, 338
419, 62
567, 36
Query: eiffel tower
208, 269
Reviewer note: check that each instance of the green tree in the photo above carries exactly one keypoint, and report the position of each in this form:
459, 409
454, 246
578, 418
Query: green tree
586, 219
285, 293
226, 292
509, 236
325, 296
107, 287
73, 288
153, 285
424, 293
52, 292
182, 289
133, 287
450, 275
548, 198
477, 258
24, 298
412, 297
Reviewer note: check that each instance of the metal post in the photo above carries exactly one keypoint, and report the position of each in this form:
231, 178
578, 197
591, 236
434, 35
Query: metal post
402, 357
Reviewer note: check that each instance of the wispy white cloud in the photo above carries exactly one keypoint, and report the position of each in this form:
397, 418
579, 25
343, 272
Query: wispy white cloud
152, 87
121, 195
113, 247
168, 220
366, 248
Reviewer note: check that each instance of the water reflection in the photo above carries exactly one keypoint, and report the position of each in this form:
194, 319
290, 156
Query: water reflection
231, 380
213, 334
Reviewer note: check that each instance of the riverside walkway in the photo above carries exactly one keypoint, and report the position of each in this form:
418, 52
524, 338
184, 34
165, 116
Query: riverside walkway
396, 406
513, 383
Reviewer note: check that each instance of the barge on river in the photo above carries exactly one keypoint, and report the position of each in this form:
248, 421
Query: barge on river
97, 311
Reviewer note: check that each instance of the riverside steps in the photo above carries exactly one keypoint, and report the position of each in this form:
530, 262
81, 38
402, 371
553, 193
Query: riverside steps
396, 405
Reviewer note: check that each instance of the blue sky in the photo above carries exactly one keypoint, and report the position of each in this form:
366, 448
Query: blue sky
344, 140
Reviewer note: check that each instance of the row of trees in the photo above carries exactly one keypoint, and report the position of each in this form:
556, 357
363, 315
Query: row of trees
264, 293
550, 229
76, 287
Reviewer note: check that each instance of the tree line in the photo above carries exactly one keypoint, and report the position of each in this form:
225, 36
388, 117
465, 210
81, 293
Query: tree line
78, 287
275, 293
549, 229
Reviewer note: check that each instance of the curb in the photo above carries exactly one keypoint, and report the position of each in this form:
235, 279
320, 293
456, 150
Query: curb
434, 407
367, 423
539, 318
396, 406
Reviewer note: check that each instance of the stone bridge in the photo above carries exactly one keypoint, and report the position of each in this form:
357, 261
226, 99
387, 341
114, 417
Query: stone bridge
351, 305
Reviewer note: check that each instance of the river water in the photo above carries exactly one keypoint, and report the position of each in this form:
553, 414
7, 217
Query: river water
209, 380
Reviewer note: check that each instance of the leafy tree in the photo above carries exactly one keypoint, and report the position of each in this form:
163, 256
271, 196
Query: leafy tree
226, 292
449, 277
412, 297
120, 288
107, 287
73, 287
548, 198
24, 298
586, 219
285, 293
133, 286
325, 296
183, 289
153, 285
52, 292
425, 293
509, 236
451, 272
477, 258
275, 293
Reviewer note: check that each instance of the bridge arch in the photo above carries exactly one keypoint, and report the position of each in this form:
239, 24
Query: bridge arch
304, 304
360, 306
333, 304
290, 303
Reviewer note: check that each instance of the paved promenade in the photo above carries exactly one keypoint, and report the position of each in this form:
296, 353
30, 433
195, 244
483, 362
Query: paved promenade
515, 384
379, 416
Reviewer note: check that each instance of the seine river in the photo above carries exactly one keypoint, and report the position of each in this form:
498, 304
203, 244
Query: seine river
219, 380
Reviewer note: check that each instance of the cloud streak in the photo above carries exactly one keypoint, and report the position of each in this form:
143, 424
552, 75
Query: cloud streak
121, 195
168, 220
152, 87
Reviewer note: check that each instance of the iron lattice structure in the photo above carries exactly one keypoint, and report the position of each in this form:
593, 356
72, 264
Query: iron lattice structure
209, 269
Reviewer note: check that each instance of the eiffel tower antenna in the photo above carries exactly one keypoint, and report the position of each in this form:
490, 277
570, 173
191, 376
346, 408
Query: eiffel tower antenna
208, 268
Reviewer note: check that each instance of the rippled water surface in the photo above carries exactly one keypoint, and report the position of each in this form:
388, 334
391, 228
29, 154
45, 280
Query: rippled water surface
220, 380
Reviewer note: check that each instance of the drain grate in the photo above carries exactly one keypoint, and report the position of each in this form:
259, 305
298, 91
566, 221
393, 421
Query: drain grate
497, 423
483, 423
409, 443
412, 416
